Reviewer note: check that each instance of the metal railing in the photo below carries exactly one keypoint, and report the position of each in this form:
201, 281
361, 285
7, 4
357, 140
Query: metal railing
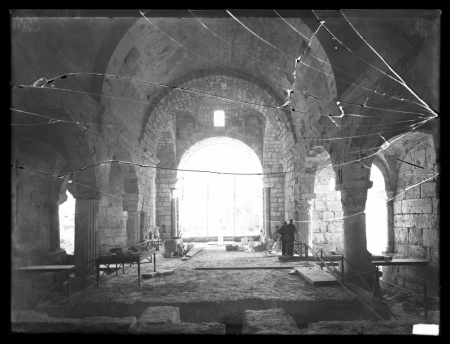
339, 278
359, 274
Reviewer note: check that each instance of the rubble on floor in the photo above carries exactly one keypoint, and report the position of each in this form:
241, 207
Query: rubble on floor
154, 320
182, 328
270, 321
159, 315
359, 328
34, 322
157, 273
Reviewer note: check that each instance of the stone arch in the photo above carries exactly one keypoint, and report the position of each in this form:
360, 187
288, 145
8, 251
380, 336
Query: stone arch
214, 82
73, 141
36, 195
131, 196
416, 209
215, 140
382, 164
185, 125
134, 54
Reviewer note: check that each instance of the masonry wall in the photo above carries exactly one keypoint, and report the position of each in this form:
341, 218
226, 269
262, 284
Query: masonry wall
272, 166
416, 221
326, 235
32, 196
112, 219
241, 123
164, 180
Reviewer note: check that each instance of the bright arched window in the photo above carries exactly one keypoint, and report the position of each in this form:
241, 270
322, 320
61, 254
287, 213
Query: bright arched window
376, 213
67, 224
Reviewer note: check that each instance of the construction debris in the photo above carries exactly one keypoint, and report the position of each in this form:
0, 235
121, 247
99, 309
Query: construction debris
260, 248
192, 252
157, 273
244, 267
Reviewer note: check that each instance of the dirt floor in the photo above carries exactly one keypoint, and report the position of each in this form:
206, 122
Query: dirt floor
214, 290
190, 285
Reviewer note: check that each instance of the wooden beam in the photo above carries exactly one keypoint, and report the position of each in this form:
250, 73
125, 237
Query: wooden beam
245, 268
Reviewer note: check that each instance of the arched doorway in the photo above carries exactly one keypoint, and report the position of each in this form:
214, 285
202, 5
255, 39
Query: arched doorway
229, 202
376, 213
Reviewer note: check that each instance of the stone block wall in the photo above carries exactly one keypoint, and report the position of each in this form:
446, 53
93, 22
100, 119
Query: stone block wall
164, 179
416, 221
112, 218
326, 235
241, 123
272, 166
33, 196
148, 190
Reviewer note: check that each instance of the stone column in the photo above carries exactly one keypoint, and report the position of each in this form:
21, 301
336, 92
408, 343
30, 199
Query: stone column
133, 227
173, 212
143, 230
390, 222
304, 218
54, 227
86, 235
267, 212
353, 199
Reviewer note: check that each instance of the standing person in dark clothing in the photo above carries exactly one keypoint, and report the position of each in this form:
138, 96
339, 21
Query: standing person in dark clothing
289, 236
282, 232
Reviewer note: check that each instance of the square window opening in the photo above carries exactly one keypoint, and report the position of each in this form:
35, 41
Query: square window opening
219, 118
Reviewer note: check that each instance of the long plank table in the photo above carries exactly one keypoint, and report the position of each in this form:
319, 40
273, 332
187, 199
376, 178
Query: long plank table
45, 268
122, 259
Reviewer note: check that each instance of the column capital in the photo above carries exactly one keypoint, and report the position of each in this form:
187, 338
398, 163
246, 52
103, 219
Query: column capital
354, 184
86, 190
353, 200
304, 205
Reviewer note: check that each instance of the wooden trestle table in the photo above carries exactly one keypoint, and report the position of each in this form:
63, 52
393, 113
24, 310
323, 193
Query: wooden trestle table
122, 259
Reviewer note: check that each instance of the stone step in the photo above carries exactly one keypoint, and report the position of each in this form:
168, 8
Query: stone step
316, 276
270, 321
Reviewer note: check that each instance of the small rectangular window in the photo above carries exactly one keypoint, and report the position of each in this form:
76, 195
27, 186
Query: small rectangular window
219, 118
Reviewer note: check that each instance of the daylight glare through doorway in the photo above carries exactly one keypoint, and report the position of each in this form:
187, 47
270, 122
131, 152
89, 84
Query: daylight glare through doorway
212, 203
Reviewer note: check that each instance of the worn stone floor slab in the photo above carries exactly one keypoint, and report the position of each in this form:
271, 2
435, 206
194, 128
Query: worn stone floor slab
190, 285
360, 328
270, 321
315, 276
182, 328
159, 315
35, 322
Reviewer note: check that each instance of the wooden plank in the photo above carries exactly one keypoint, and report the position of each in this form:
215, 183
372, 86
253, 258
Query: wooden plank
315, 276
45, 268
401, 262
245, 267
193, 251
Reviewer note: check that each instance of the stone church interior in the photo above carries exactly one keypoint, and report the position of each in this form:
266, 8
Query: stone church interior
225, 172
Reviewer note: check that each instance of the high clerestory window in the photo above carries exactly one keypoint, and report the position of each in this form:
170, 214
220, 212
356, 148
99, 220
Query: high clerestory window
219, 118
